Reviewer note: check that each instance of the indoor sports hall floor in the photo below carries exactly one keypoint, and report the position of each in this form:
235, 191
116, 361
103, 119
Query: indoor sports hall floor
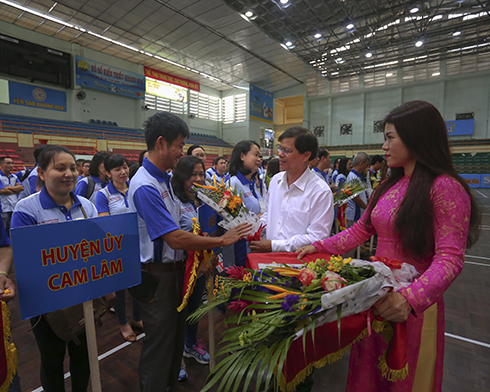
467, 357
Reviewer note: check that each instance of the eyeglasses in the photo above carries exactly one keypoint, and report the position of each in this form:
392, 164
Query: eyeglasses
284, 150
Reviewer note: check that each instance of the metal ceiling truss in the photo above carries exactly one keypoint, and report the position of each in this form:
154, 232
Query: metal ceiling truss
386, 29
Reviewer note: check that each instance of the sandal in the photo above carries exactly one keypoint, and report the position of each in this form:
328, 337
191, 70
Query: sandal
127, 333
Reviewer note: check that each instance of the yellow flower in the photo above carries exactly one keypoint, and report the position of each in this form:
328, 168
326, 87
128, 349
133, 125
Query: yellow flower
234, 202
247, 277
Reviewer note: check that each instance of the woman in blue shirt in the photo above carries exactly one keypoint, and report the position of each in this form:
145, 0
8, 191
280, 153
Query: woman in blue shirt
89, 186
190, 169
244, 164
56, 203
113, 200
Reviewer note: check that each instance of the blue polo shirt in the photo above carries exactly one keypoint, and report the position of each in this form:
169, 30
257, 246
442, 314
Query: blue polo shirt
4, 238
82, 187
323, 175
152, 197
250, 194
9, 201
211, 171
40, 208
188, 211
353, 211
112, 201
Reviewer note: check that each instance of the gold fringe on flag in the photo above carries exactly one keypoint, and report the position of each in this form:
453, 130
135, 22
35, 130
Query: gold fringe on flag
200, 257
10, 349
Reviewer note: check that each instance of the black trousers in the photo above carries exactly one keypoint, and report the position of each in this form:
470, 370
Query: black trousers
52, 350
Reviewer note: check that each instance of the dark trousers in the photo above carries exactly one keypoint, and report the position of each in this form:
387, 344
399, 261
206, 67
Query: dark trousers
52, 350
163, 343
120, 308
195, 300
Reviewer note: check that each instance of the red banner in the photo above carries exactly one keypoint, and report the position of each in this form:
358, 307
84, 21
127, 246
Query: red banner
165, 77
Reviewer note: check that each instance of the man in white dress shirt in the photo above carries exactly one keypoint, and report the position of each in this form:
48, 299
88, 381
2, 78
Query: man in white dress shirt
300, 204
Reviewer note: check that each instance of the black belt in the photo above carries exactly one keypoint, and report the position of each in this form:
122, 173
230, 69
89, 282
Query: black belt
171, 266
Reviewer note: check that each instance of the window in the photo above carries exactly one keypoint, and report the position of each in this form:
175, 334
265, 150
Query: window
465, 116
422, 71
466, 64
316, 86
204, 106
234, 108
344, 84
164, 104
345, 129
380, 78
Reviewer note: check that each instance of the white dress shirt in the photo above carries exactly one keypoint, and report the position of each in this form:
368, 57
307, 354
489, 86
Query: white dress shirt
299, 214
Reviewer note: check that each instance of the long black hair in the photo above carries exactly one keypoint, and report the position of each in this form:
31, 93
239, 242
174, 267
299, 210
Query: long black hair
97, 159
236, 163
182, 172
343, 166
423, 131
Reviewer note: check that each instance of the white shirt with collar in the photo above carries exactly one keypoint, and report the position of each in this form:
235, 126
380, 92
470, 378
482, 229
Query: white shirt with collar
299, 214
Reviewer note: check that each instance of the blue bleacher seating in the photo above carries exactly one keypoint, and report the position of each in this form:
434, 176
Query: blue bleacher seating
36, 124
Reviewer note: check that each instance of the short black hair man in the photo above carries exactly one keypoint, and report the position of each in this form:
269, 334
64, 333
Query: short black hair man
162, 256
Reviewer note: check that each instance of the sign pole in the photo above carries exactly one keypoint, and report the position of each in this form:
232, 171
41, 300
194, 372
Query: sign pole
212, 343
88, 313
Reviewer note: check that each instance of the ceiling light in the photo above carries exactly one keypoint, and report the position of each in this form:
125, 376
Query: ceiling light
389, 74
249, 14
284, 1
436, 74
418, 44
369, 55
456, 33
334, 73
289, 43
414, 10
317, 35
350, 26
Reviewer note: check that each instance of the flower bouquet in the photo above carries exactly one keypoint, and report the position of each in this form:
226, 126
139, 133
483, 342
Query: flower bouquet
280, 305
227, 202
347, 192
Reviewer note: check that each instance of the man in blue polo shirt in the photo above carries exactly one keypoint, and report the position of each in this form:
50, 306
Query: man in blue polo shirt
322, 164
356, 206
219, 169
30, 182
10, 191
162, 256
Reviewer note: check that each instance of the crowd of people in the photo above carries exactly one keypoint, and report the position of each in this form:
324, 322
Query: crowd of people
293, 195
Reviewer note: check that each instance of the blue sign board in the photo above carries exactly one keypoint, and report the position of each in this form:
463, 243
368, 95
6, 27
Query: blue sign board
460, 127
36, 97
208, 219
261, 105
473, 180
485, 181
98, 76
67, 263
